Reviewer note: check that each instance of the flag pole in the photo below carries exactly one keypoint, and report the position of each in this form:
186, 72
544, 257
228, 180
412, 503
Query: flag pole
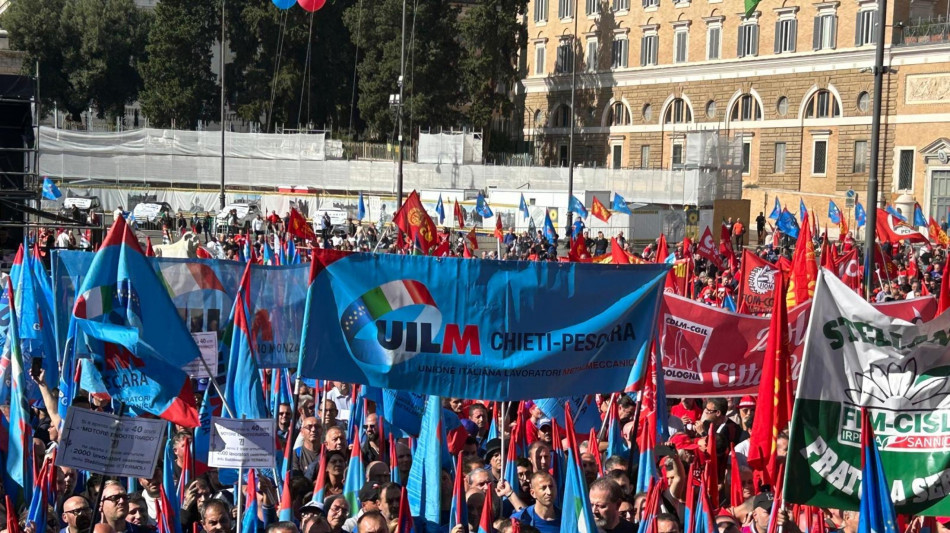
501, 435
603, 425
214, 382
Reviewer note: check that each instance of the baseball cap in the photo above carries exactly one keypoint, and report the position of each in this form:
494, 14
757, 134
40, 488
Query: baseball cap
544, 422
725, 516
747, 401
313, 507
682, 441
369, 492
764, 501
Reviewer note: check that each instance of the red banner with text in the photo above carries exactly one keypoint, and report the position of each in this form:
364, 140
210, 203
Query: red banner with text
708, 351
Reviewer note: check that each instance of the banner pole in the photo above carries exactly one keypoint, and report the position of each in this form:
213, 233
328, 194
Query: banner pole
603, 425
501, 434
237, 497
212, 377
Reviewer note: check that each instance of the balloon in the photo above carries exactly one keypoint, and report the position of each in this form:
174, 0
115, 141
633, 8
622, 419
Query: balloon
284, 4
312, 5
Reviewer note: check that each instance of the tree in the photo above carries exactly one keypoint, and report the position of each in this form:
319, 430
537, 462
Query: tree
492, 35
179, 85
431, 94
270, 60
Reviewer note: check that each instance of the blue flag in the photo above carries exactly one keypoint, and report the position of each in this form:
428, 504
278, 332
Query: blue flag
576, 206
440, 209
834, 214
135, 364
34, 306
18, 481
877, 508
396, 321
523, 207
802, 210
620, 205
576, 514
549, 232
859, 215
893, 210
171, 511
426, 472
787, 224
50, 190
249, 522
361, 208
242, 390
919, 219
728, 303
482, 208
776, 211
355, 475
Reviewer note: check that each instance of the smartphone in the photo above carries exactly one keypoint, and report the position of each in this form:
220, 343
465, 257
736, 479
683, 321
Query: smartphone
35, 366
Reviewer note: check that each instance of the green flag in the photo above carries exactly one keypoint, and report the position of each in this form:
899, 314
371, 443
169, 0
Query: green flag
750, 6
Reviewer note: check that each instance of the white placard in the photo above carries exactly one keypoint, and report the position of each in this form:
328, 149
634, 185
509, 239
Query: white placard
207, 342
109, 444
242, 443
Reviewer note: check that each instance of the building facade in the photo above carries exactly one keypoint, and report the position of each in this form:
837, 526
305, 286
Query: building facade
793, 81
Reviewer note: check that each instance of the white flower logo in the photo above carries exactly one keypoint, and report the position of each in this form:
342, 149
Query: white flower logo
893, 386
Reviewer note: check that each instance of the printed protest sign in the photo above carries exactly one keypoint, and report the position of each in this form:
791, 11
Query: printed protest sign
207, 342
242, 443
855, 356
109, 444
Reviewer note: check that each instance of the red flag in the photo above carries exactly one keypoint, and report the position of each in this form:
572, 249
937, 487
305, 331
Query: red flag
444, 249
843, 229
937, 235
944, 301
678, 277
201, 253
598, 210
804, 271
413, 220
499, 232
735, 478
466, 253
298, 226
473, 238
775, 391
892, 229
756, 278
662, 250
827, 258
617, 253
459, 216
711, 470
849, 269
707, 249
149, 251
579, 251
486, 520
725, 241
404, 521
594, 448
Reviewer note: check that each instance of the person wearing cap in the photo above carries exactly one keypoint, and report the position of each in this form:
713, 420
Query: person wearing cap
542, 515
745, 413
545, 433
762, 510
685, 447
493, 456
369, 502
726, 522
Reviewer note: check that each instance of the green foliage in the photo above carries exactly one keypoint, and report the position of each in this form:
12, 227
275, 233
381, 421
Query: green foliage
179, 84
491, 34
88, 50
432, 91
258, 28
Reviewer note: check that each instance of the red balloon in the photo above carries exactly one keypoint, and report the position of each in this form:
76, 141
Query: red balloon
312, 5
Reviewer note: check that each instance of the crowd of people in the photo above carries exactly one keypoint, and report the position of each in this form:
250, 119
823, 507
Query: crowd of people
317, 423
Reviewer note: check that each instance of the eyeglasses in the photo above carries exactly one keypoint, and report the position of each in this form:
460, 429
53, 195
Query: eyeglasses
369, 426
309, 427
117, 498
77, 512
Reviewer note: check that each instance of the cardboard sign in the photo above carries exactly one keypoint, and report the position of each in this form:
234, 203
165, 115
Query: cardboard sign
242, 443
207, 342
109, 444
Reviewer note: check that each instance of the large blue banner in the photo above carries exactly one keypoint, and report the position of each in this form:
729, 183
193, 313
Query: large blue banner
203, 292
494, 330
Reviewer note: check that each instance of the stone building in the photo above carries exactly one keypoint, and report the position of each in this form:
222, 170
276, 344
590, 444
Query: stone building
793, 81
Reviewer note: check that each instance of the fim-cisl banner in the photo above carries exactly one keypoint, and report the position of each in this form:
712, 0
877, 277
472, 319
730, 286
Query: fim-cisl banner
497, 330
857, 356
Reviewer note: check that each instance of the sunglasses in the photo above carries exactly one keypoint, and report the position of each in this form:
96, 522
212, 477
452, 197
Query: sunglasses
117, 497
77, 512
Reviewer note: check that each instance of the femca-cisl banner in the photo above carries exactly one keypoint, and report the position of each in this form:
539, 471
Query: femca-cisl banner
856, 356
495, 330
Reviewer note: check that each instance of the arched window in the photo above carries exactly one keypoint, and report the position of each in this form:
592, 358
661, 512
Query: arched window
746, 108
562, 117
822, 104
619, 115
678, 112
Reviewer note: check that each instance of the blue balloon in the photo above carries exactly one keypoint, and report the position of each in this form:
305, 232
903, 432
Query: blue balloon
284, 4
